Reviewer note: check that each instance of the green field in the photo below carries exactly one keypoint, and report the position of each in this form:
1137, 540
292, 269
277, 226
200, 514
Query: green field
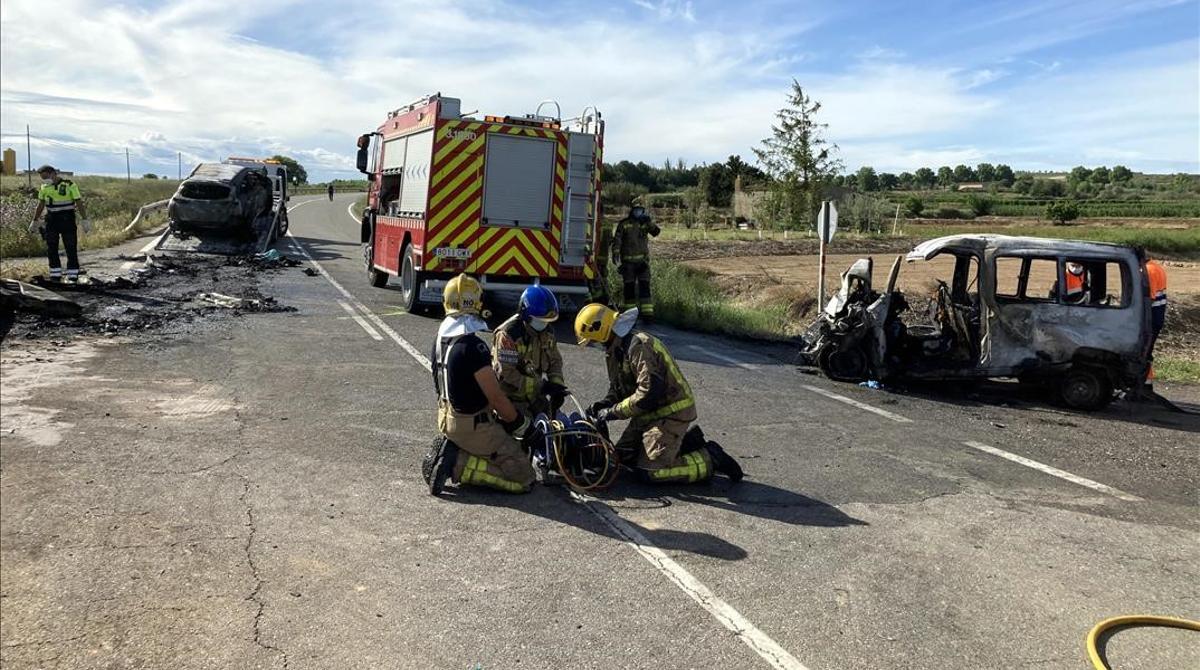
110, 204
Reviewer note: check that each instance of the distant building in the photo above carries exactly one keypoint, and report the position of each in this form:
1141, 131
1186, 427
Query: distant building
10, 162
972, 186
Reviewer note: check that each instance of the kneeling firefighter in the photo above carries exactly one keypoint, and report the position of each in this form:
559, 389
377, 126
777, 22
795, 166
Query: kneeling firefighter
525, 355
480, 427
646, 387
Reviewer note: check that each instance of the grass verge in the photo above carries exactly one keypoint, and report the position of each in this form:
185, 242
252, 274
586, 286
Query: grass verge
18, 243
1176, 370
687, 298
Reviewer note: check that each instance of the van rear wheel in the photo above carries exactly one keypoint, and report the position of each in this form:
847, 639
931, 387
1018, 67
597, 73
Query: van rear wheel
1085, 388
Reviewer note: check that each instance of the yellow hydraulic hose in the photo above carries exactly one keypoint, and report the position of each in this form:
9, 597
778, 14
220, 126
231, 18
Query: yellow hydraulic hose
1131, 620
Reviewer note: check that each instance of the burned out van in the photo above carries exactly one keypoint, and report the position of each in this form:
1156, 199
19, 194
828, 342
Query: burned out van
1072, 315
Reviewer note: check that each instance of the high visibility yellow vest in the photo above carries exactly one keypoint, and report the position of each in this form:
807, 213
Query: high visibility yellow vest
59, 197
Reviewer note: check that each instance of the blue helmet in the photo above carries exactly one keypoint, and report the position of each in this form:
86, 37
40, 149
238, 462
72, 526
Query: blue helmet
538, 302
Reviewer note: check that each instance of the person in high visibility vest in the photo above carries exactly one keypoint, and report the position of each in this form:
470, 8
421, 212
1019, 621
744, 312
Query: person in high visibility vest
631, 242
479, 426
60, 199
1077, 284
1156, 279
525, 355
647, 388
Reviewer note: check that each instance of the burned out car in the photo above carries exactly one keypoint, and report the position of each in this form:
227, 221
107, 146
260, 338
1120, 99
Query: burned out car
222, 198
1074, 316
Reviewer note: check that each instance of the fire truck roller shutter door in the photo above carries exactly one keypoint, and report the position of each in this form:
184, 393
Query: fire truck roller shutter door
518, 181
415, 188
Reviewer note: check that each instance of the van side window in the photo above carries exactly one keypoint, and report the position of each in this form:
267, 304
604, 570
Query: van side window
1026, 279
1095, 283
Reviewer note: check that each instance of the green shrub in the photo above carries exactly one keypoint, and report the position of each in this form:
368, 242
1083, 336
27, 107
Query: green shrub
950, 213
1061, 212
980, 205
913, 205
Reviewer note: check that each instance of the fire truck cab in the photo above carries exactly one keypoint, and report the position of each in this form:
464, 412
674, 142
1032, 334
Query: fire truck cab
509, 199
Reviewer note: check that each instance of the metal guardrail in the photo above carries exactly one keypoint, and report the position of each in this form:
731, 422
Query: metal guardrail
154, 206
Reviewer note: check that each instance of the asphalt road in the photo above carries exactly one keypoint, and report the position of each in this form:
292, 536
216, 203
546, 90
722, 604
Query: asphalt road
248, 495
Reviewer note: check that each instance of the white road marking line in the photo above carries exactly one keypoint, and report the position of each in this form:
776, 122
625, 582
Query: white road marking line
350, 211
374, 318
861, 405
1050, 470
360, 321
721, 357
747, 632
729, 617
128, 265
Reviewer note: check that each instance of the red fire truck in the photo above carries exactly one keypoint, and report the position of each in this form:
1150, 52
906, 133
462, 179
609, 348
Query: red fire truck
509, 199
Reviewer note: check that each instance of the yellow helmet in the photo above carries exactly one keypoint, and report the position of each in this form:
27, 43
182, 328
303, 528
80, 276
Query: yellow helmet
463, 295
594, 323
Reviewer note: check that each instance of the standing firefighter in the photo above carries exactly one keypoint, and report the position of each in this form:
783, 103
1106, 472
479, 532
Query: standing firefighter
59, 198
646, 387
526, 358
475, 419
631, 255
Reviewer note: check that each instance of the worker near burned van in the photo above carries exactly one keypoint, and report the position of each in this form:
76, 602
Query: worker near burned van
631, 255
647, 388
61, 202
479, 426
525, 355
1156, 278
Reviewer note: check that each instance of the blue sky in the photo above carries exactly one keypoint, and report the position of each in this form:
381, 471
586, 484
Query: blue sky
1045, 85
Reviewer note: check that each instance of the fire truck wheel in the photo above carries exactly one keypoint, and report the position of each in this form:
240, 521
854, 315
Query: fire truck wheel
410, 282
377, 278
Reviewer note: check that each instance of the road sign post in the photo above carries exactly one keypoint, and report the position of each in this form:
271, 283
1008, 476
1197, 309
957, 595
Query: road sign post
826, 227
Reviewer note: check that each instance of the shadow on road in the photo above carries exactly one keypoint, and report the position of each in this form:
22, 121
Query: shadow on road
554, 504
324, 250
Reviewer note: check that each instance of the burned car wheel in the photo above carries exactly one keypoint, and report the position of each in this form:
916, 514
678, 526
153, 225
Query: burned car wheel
844, 365
1085, 389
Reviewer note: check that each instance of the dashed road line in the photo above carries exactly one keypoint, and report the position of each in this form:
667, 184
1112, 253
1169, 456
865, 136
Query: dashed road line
360, 321
747, 632
1051, 470
861, 405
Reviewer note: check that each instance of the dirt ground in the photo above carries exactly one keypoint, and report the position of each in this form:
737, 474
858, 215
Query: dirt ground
792, 280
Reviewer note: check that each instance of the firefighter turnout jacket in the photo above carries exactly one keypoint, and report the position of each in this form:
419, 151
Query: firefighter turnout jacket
645, 383
631, 239
522, 357
59, 198
1157, 277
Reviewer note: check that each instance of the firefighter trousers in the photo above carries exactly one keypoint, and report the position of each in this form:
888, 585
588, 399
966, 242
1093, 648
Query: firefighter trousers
657, 445
635, 276
62, 226
489, 456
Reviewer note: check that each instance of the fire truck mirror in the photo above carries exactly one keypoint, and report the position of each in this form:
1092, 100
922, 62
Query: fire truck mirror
364, 145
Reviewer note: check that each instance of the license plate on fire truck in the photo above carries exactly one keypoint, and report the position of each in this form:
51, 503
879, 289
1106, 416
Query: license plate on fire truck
452, 252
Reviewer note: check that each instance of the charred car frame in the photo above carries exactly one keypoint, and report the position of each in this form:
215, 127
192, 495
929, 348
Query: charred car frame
1074, 316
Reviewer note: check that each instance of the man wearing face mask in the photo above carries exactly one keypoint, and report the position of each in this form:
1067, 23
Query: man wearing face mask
525, 355
59, 198
647, 388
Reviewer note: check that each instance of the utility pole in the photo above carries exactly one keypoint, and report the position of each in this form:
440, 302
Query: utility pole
179, 157
28, 158
127, 175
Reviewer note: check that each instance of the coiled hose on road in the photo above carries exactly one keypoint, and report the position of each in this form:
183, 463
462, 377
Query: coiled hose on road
1130, 620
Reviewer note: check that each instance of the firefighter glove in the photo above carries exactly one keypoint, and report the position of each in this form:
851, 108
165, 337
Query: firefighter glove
86, 224
594, 408
517, 426
605, 414
554, 390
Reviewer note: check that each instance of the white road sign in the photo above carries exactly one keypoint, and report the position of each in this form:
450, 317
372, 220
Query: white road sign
826, 231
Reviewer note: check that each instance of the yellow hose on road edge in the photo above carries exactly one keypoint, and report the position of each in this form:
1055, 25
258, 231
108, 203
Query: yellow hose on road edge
1131, 620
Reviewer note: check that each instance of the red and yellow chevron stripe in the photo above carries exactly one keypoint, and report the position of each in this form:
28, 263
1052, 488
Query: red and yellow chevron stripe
456, 202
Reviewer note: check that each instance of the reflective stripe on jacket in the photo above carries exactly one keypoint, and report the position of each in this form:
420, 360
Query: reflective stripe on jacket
644, 381
59, 197
521, 356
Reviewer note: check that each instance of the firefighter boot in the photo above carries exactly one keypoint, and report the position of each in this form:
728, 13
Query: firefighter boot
723, 462
439, 463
